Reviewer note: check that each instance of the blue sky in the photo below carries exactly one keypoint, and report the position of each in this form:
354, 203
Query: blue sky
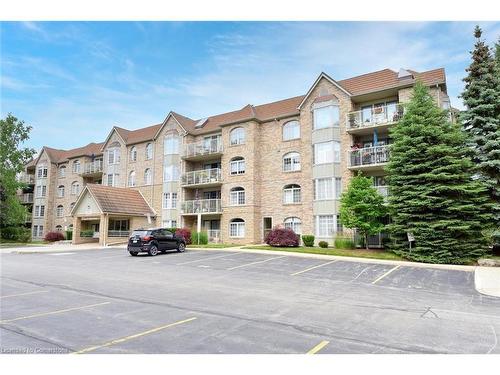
72, 81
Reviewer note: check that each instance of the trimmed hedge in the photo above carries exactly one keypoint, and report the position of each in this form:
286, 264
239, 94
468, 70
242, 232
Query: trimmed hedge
54, 236
185, 233
199, 238
308, 240
69, 235
18, 234
323, 244
87, 233
282, 237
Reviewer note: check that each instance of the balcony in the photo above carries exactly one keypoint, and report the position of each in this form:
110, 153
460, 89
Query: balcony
213, 235
369, 158
364, 121
28, 219
201, 206
27, 198
204, 177
203, 149
92, 169
28, 179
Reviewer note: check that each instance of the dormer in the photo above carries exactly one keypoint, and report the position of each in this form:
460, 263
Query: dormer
404, 74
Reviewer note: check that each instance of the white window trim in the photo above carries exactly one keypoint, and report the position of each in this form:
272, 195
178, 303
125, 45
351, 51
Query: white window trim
335, 195
320, 106
168, 203
239, 140
289, 123
334, 153
292, 191
238, 167
316, 226
149, 151
296, 155
239, 225
234, 196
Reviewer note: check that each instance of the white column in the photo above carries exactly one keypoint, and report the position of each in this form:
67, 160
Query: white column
198, 227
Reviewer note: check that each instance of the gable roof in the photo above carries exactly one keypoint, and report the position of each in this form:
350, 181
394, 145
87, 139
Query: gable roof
139, 135
111, 200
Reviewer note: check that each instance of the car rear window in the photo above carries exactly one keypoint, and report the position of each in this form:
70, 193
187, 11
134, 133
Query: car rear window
139, 233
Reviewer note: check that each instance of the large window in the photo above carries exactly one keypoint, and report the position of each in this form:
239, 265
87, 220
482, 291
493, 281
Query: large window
291, 162
237, 228
75, 188
237, 136
326, 117
293, 223
114, 153
133, 153
37, 230
60, 211
62, 172
39, 211
149, 151
327, 152
325, 226
112, 179
171, 144
237, 196
148, 176
131, 178
327, 188
41, 191
60, 191
291, 130
169, 200
76, 166
171, 173
338, 187
42, 171
237, 165
291, 194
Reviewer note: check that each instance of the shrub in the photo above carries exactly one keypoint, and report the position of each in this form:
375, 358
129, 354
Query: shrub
69, 235
323, 244
171, 230
199, 238
87, 233
308, 240
55, 236
185, 233
284, 237
19, 234
344, 243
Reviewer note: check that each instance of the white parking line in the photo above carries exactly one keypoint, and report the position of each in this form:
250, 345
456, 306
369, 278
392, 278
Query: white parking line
312, 268
24, 294
207, 258
250, 264
385, 274
62, 254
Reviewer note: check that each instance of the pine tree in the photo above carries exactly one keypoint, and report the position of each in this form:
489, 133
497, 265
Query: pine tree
362, 207
481, 119
497, 54
431, 190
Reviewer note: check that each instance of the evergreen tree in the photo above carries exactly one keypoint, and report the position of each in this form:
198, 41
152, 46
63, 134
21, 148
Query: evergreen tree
497, 54
481, 119
431, 190
362, 207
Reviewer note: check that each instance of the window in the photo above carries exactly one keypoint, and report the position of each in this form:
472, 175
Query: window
291, 130
131, 178
169, 200
325, 226
291, 162
171, 173
41, 191
237, 196
327, 188
171, 144
62, 172
291, 194
114, 153
133, 153
237, 136
293, 223
37, 230
60, 211
340, 227
170, 223
237, 165
338, 187
326, 117
149, 151
112, 179
42, 171
76, 166
148, 177
237, 228
59, 228
60, 191
75, 188
39, 211
327, 152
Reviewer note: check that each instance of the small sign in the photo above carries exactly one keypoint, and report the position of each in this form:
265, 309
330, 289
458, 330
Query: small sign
410, 236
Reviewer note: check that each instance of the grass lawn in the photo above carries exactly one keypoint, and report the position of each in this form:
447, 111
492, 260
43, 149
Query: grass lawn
359, 253
9, 243
212, 245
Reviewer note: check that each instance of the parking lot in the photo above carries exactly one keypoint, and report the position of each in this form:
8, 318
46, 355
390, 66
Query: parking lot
215, 301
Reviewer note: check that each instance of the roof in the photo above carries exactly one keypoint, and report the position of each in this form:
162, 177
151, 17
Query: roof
137, 136
111, 200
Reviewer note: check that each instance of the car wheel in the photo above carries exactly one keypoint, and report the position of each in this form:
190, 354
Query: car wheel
133, 253
181, 247
153, 250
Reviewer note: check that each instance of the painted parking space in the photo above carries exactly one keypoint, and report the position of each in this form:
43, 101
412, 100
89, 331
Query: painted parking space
238, 259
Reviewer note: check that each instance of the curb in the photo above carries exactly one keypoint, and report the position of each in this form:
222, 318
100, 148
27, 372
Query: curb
487, 281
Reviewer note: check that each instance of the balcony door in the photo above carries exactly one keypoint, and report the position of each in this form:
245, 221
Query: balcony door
267, 225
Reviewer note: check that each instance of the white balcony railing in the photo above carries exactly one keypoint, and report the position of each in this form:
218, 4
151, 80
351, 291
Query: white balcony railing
386, 114
118, 233
210, 147
383, 190
93, 167
213, 235
201, 206
27, 198
204, 176
28, 179
369, 156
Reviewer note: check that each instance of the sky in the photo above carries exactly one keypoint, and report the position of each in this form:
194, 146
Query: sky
73, 81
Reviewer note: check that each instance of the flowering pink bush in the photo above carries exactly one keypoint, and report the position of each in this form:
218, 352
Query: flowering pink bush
284, 237
184, 232
54, 236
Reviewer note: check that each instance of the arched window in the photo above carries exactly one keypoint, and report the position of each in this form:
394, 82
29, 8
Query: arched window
237, 165
149, 151
291, 194
133, 153
291, 130
58, 228
293, 223
237, 196
76, 166
291, 162
237, 228
60, 211
237, 136
62, 172
148, 177
60, 191
131, 178
75, 188
171, 144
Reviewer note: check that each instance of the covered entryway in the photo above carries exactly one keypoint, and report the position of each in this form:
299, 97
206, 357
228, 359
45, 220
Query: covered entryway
106, 214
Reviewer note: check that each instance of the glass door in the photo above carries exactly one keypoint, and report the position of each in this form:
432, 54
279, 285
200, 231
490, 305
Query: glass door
267, 226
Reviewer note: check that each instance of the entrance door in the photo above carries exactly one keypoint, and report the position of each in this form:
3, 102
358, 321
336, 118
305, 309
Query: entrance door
267, 226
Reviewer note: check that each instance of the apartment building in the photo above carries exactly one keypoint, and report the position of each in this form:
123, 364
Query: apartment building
235, 175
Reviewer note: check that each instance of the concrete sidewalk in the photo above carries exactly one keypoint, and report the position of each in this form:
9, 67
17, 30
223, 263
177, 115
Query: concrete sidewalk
487, 280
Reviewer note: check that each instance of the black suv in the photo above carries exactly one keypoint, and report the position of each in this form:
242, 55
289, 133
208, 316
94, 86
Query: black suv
152, 241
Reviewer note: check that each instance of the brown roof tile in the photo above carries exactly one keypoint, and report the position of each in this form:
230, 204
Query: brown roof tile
139, 135
120, 200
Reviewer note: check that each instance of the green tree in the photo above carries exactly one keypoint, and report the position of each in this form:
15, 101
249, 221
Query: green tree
481, 119
431, 190
362, 207
13, 158
497, 54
